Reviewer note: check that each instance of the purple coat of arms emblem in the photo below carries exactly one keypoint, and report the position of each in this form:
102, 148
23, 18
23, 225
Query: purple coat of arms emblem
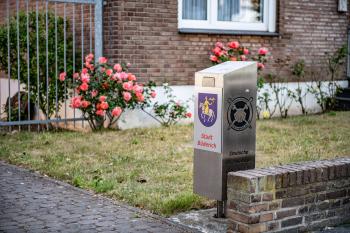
207, 108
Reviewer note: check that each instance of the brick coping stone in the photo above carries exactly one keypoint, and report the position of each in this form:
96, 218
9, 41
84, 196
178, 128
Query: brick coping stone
297, 197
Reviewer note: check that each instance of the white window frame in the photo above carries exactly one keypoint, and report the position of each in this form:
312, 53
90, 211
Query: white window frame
268, 24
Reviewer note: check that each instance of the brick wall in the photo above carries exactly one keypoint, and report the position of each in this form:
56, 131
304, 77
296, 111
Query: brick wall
145, 33
290, 198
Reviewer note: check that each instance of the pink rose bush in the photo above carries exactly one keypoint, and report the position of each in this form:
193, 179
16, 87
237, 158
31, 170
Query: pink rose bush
234, 51
103, 92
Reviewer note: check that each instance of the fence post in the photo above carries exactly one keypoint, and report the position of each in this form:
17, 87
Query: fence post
98, 29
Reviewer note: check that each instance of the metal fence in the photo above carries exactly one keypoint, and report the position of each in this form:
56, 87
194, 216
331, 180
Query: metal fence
42, 39
348, 57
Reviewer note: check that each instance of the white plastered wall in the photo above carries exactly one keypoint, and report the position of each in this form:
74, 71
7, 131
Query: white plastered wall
137, 118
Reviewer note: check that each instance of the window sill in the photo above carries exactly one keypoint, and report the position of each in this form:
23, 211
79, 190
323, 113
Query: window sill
226, 32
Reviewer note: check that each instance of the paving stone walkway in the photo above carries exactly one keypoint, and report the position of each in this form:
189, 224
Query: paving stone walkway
33, 203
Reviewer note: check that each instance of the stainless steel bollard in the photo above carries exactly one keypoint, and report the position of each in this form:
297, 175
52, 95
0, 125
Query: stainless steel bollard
224, 126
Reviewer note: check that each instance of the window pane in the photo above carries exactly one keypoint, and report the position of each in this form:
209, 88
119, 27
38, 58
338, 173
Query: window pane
249, 11
194, 9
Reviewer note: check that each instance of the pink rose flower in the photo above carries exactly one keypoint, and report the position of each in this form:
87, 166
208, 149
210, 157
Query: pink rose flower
137, 88
188, 115
221, 53
217, 51
128, 86
102, 98
89, 57
233, 45
91, 67
84, 71
100, 112
123, 76
76, 75
262, 51
126, 96
153, 94
261, 66
109, 72
104, 105
128, 64
213, 58
62, 76
88, 60
219, 44
84, 87
245, 51
85, 78
75, 102
102, 60
114, 77
88, 65
117, 111
85, 104
140, 97
102, 69
94, 93
117, 67
131, 77
243, 58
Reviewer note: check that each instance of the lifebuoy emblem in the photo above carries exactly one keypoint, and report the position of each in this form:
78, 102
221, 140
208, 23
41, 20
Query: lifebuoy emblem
240, 113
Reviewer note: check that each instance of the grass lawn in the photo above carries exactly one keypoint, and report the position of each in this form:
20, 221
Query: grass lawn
152, 168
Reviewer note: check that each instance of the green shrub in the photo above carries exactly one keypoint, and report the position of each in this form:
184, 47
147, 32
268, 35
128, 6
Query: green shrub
32, 87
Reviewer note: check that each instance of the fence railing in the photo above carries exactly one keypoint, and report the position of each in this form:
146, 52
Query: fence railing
40, 40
